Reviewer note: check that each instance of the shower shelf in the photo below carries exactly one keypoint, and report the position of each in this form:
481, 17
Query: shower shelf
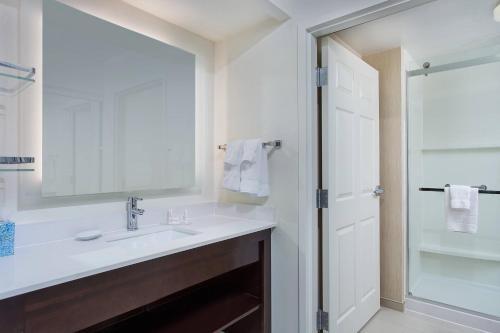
464, 147
454, 252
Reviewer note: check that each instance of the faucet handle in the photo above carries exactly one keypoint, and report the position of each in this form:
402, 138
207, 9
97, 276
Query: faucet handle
133, 200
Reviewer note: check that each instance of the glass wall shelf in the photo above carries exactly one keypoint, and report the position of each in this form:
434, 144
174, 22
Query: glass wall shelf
16, 170
15, 78
15, 160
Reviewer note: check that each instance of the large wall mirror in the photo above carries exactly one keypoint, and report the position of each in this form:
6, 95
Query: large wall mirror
118, 108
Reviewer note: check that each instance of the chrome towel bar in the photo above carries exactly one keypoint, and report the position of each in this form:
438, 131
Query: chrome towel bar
275, 144
482, 189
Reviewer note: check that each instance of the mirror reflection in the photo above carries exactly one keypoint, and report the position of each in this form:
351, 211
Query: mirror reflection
118, 108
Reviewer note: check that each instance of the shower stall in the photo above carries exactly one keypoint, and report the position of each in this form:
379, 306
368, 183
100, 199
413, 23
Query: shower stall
453, 129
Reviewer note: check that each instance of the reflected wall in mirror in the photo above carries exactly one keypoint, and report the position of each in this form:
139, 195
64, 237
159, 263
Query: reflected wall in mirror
118, 108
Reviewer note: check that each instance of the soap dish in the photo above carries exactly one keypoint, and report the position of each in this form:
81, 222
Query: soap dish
88, 235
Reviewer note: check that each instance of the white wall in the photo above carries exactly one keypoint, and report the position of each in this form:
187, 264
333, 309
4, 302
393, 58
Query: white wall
256, 96
261, 91
30, 103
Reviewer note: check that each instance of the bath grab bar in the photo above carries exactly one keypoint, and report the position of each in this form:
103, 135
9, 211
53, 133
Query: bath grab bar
275, 144
482, 189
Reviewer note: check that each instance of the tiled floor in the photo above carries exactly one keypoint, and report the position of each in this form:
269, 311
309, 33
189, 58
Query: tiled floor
390, 321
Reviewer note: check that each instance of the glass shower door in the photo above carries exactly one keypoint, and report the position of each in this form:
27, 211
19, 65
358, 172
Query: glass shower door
454, 138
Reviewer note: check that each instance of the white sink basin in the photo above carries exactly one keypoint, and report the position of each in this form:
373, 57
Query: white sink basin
149, 237
139, 242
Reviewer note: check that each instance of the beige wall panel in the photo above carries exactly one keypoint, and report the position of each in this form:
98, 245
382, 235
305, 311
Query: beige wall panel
392, 232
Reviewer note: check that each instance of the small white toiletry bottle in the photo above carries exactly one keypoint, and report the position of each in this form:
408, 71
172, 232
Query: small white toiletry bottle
185, 218
171, 218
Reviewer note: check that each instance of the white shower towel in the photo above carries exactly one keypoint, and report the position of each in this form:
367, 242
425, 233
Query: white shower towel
232, 165
462, 220
460, 196
254, 169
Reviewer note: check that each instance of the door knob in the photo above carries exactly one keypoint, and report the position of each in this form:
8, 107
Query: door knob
378, 191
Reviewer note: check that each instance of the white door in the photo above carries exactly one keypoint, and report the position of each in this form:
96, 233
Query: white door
350, 170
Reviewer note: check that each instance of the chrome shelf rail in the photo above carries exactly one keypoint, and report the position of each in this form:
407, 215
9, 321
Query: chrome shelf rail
23, 75
16, 160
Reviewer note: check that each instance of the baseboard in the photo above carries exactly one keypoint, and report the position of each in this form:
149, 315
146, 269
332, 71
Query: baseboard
389, 303
462, 318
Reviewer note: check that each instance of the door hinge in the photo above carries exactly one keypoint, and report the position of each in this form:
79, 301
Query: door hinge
322, 320
321, 76
321, 198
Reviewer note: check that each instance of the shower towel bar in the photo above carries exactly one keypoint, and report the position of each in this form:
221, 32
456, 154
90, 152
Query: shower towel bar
275, 144
482, 189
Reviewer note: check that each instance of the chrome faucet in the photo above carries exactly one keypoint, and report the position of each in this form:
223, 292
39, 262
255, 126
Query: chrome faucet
132, 213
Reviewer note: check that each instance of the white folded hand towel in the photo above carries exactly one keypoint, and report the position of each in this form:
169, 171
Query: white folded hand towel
460, 196
232, 165
254, 169
459, 219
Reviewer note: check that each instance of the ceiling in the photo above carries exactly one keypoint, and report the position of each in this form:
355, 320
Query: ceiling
313, 12
429, 31
215, 20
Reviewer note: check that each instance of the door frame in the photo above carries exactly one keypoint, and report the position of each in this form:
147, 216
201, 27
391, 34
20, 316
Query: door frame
308, 37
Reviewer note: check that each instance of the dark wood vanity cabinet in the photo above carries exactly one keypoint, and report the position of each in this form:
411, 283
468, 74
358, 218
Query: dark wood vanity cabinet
221, 286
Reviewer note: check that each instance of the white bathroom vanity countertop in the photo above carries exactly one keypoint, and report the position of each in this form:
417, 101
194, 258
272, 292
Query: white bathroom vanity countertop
47, 264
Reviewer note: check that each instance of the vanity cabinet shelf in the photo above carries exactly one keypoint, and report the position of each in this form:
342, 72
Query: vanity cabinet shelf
216, 312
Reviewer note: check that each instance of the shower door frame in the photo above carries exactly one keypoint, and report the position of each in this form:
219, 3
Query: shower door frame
448, 312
